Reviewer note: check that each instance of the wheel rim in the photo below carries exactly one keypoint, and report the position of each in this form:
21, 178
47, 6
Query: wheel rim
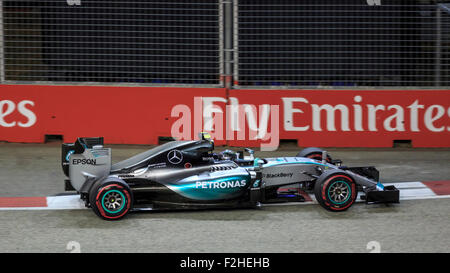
113, 201
339, 192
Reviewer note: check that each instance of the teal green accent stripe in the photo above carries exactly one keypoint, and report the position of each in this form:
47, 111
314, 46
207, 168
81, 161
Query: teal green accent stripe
190, 190
349, 189
121, 207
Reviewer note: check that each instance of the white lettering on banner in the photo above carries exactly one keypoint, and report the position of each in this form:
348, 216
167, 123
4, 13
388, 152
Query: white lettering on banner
210, 117
393, 123
321, 117
251, 113
289, 111
10, 106
358, 114
414, 115
209, 108
7, 107
448, 113
234, 114
27, 113
398, 117
372, 109
430, 118
316, 109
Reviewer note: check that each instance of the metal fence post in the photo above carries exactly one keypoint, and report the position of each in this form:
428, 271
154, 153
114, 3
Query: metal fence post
228, 41
236, 42
221, 45
438, 48
2, 45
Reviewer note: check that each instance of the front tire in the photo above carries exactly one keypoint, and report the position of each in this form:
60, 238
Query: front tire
336, 191
111, 200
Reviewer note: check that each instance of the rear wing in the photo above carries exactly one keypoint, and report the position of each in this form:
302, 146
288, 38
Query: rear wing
85, 159
78, 147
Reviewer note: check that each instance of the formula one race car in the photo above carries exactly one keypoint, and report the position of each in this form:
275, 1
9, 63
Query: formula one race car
189, 175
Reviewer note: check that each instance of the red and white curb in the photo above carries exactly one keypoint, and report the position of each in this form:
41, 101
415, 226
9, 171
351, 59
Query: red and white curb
42, 203
408, 191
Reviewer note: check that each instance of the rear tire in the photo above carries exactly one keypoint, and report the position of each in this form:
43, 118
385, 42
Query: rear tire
336, 191
111, 200
313, 153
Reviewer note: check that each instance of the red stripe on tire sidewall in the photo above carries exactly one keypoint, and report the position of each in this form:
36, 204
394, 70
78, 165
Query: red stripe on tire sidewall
324, 198
99, 205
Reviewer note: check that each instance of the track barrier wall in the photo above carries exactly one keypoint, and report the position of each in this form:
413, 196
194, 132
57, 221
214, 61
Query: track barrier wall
140, 115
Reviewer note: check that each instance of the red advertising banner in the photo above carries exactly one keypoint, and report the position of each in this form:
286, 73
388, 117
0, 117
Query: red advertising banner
123, 115
139, 115
370, 118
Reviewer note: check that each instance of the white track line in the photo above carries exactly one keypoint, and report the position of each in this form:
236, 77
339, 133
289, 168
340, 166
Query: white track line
65, 202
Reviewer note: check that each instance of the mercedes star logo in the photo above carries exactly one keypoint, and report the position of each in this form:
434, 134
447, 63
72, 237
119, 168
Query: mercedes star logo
175, 157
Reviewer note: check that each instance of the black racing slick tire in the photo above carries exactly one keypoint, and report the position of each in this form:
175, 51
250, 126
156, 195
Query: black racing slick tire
335, 191
313, 153
111, 200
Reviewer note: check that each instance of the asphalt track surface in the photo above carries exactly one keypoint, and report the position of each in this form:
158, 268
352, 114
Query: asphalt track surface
411, 226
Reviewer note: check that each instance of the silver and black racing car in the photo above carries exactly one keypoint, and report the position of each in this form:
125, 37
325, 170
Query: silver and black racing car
190, 175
